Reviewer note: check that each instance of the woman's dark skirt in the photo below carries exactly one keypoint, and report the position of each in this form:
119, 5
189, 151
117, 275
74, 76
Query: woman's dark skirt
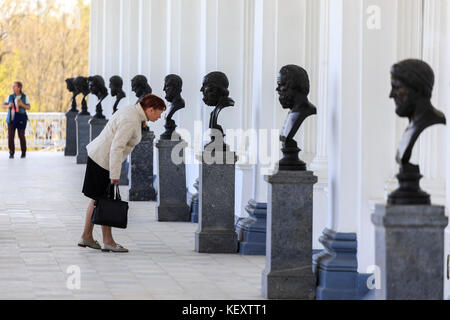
96, 181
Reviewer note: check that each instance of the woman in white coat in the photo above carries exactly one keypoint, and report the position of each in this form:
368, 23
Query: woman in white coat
105, 156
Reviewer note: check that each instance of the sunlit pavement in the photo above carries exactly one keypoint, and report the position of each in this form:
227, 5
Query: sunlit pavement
42, 213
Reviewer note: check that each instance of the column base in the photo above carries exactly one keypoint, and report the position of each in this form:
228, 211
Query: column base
216, 241
173, 213
252, 230
142, 195
289, 284
336, 268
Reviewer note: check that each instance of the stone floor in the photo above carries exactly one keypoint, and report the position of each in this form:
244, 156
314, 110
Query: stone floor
41, 218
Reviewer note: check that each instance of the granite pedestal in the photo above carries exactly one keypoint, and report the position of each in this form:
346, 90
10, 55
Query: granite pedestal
288, 273
216, 232
409, 250
124, 174
96, 127
252, 230
71, 134
142, 188
83, 136
172, 202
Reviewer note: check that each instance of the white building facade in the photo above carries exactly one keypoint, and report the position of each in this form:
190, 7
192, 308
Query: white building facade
347, 47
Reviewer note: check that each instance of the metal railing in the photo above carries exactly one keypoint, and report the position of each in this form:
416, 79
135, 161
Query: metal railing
45, 131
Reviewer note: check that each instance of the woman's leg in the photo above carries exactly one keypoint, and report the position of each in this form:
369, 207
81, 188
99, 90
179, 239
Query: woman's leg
107, 236
23, 141
11, 135
88, 225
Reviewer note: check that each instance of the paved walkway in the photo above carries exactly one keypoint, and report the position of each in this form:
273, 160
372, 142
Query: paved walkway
41, 218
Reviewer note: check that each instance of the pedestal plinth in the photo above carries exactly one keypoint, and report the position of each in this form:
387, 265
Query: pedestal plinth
142, 169
288, 273
252, 230
71, 134
83, 136
172, 202
96, 127
409, 250
216, 233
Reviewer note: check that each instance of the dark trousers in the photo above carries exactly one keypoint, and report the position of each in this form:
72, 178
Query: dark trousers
11, 136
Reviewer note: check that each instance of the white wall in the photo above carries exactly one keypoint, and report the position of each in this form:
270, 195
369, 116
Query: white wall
351, 143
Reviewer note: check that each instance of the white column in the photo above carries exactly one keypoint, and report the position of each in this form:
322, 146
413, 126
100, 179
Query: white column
129, 45
189, 69
378, 118
111, 49
320, 162
344, 110
431, 142
445, 96
264, 84
96, 44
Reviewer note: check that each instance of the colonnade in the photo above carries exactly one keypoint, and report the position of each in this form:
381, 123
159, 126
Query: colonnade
347, 47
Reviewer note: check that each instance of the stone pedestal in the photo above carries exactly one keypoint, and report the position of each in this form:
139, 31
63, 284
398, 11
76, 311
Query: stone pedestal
96, 127
288, 273
124, 174
172, 202
83, 136
252, 230
142, 188
71, 134
216, 232
409, 250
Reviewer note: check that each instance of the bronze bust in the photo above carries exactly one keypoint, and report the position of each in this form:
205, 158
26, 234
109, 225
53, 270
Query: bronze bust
97, 87
116, 85
82, 85
172, 87
71, 87
293, 89
412, 88
216, 94
140, 86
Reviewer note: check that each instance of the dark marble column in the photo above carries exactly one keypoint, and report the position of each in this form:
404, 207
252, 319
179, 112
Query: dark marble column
83, 136
71, 134
288, 273
96, 127
172, 203
142, 188
409, 250
216, 232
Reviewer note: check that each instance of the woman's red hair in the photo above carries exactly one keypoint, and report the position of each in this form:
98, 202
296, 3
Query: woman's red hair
152, 101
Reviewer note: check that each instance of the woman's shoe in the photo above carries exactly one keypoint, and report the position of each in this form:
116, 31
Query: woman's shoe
94, 245
117, 248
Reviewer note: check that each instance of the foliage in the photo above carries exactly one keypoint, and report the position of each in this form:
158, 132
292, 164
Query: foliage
41, 45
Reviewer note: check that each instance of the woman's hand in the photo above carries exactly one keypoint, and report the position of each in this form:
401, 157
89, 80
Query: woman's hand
115, 182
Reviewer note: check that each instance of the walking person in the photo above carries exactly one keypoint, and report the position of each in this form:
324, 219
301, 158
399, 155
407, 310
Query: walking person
105, 156
16, 103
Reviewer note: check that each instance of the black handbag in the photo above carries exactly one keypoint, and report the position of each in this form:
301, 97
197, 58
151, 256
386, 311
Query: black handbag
111, 211
20, 121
